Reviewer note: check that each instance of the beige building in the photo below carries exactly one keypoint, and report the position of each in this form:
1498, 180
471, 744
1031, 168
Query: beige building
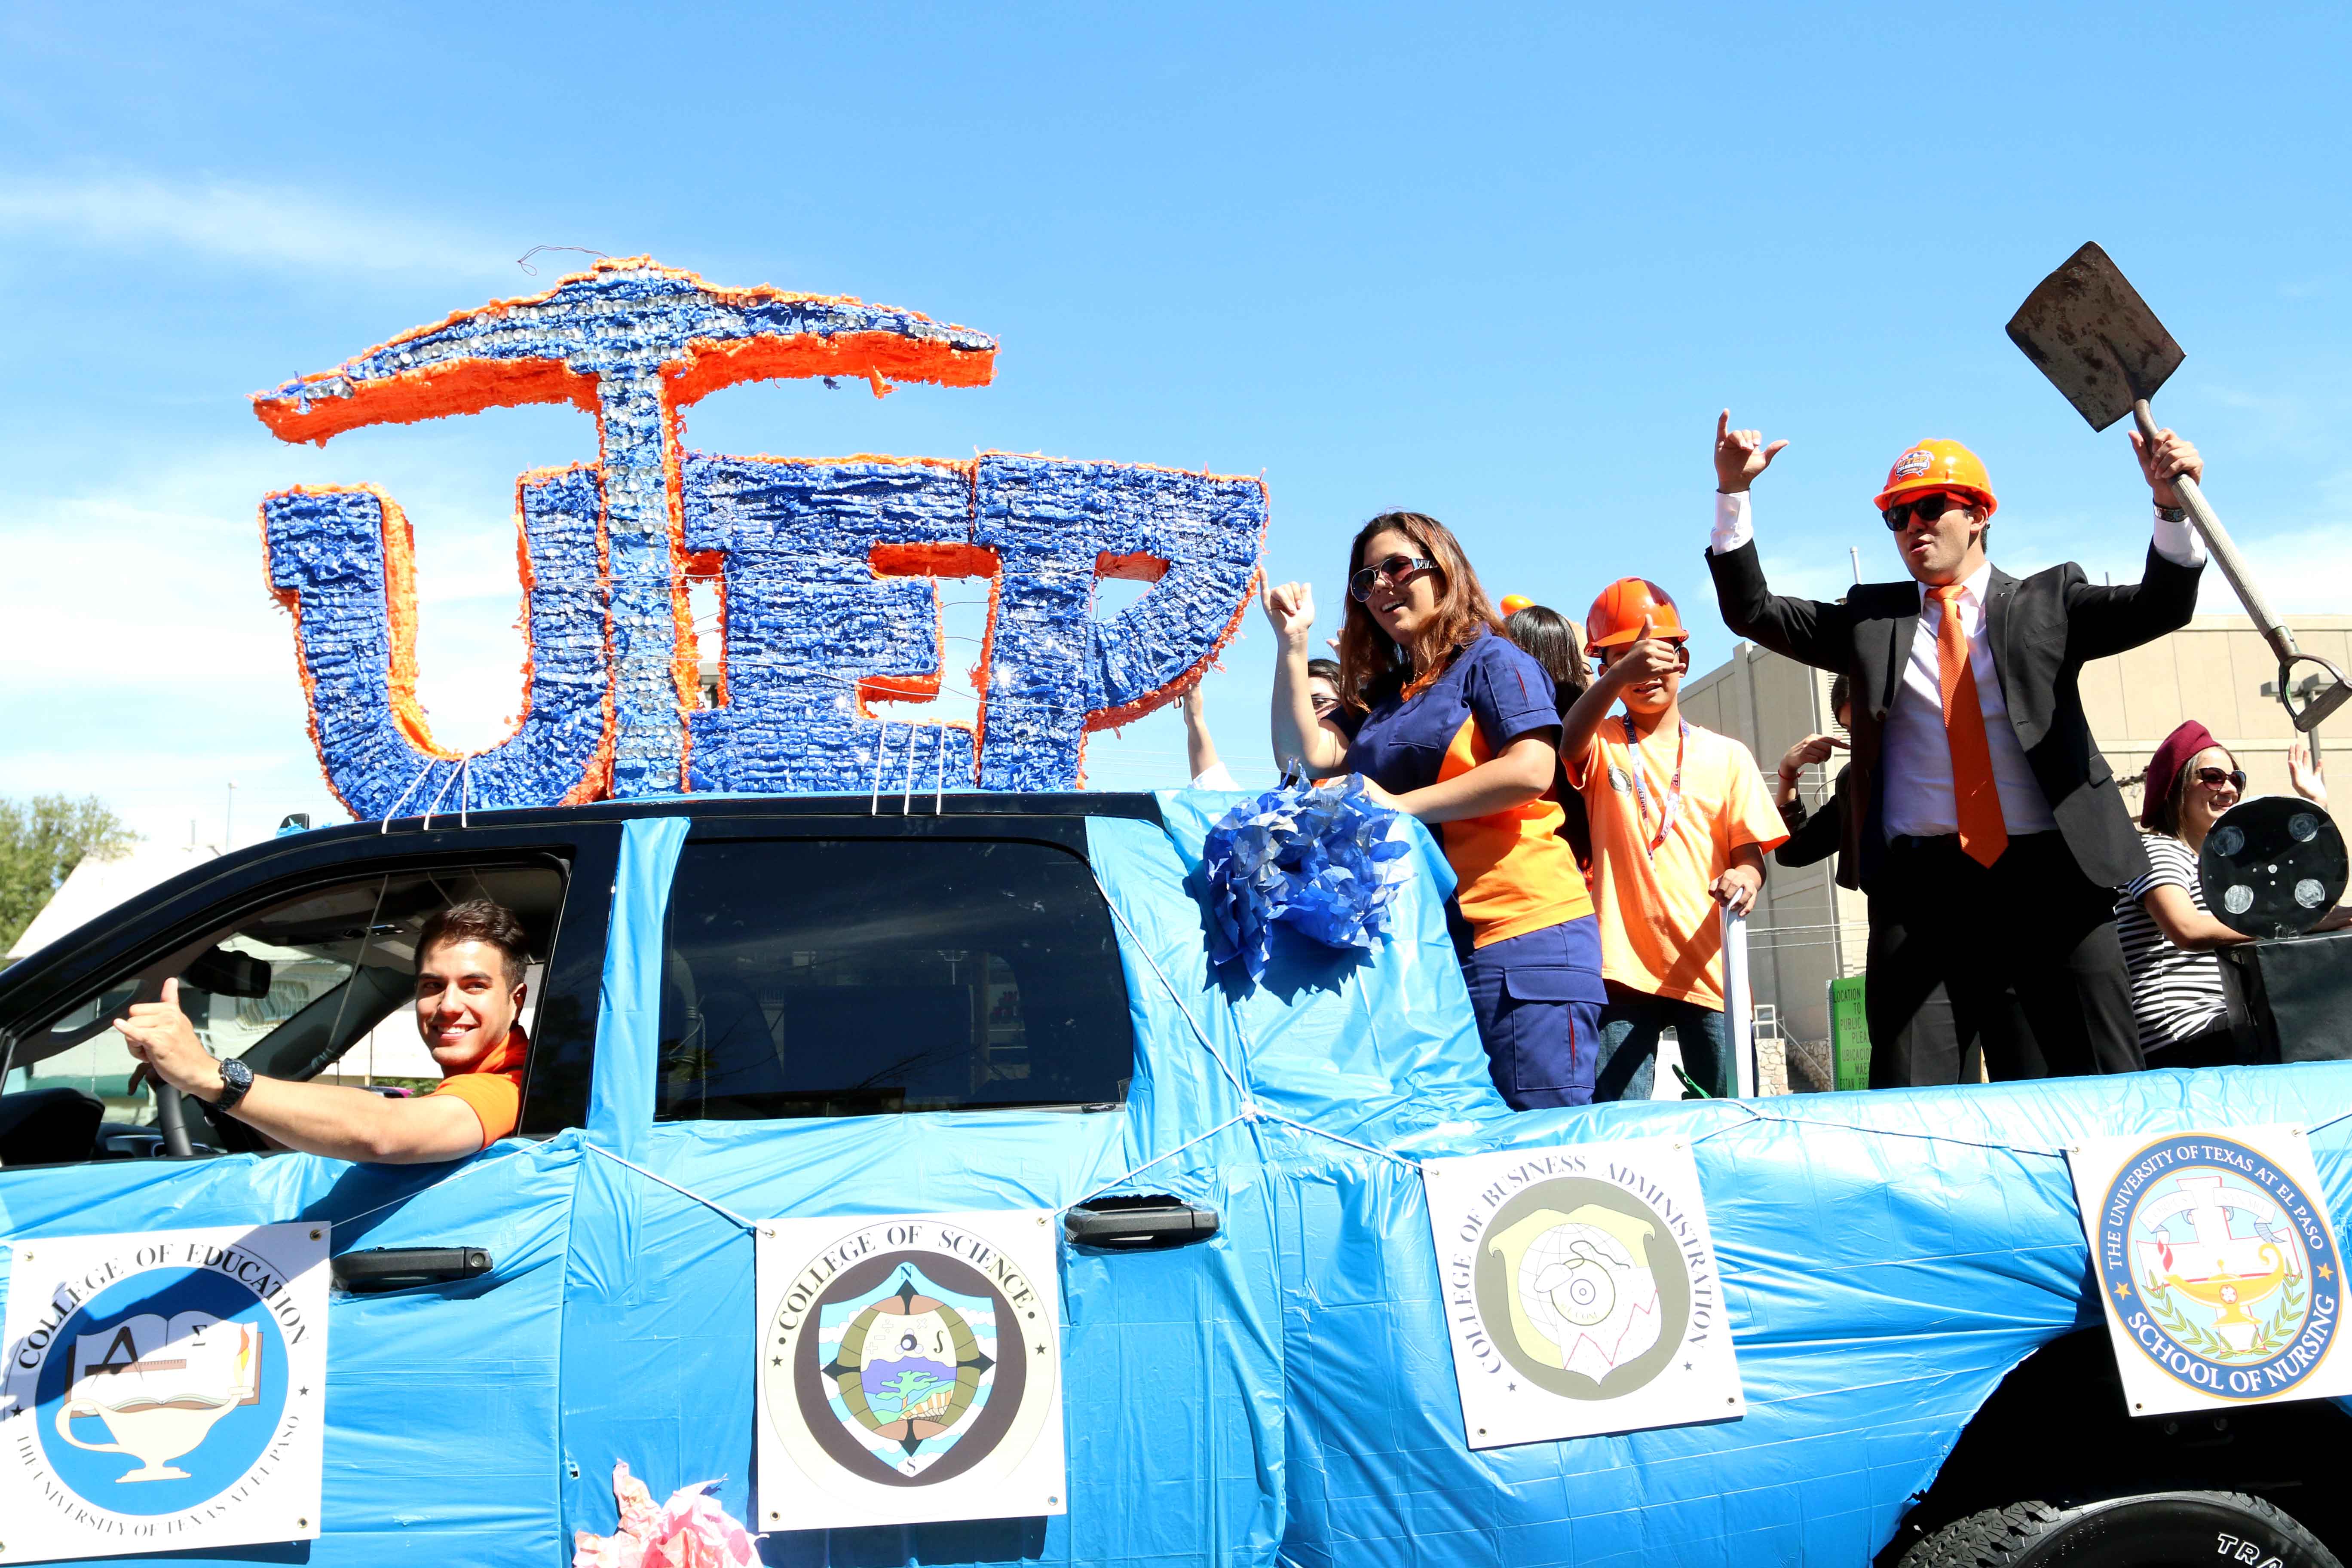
1809, 931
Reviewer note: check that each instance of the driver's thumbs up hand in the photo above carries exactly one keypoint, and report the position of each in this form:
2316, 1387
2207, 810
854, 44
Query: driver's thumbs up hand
159, 1035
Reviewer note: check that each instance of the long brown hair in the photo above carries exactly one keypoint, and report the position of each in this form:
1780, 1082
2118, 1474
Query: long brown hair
1370, 660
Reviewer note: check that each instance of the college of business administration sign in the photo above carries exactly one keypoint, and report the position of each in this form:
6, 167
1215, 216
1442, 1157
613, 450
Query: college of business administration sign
164, 1390
2218, 1267
910, 1370
1581, 1294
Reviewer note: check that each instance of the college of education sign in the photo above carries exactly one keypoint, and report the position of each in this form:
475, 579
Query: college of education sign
910, 1370
1581, 1290
163, 1391
2218, 1264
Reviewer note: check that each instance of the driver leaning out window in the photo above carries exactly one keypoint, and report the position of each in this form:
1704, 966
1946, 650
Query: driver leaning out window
470, 961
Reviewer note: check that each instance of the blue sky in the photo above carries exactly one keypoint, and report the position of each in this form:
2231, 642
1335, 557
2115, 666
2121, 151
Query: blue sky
1502, 265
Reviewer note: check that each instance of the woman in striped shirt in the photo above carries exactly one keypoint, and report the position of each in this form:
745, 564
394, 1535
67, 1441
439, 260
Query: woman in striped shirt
2168, 932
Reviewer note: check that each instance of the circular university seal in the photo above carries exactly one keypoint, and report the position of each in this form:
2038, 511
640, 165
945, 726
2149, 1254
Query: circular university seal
908, 1354
161, 1392
2220, 1266
1581, 1287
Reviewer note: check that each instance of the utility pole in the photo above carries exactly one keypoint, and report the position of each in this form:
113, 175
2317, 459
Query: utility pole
228, 818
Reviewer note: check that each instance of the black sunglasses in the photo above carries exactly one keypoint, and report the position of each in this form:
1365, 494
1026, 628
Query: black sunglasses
2214, 778
1929, 506
1394, 569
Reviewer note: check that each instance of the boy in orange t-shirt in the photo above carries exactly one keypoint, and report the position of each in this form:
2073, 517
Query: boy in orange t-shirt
1681, 821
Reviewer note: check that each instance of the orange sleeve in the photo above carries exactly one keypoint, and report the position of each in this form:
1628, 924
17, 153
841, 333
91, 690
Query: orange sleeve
495, 1097
1754, 818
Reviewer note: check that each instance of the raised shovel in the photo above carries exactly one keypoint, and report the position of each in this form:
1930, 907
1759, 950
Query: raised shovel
2092, 334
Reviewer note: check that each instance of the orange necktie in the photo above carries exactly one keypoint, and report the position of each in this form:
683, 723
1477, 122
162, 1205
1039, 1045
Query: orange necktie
1974, 800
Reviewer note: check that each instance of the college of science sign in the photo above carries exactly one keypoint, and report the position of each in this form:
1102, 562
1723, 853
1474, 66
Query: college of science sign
163, 1391
910, 1370
2218, 1265
1582, 1294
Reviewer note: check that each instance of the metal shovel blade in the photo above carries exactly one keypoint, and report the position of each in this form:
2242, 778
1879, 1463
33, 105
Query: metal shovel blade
2092, 334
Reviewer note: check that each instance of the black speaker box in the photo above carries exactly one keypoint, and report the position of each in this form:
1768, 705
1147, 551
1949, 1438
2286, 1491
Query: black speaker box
2298, 995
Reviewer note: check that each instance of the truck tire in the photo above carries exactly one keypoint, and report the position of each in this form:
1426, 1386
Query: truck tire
2160, 1529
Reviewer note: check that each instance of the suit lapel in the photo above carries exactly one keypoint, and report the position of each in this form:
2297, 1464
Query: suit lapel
2001, 591
1900, 629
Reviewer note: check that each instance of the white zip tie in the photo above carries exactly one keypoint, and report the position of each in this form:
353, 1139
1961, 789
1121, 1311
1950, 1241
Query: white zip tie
906, 790
396, 804
881, 760
457, 774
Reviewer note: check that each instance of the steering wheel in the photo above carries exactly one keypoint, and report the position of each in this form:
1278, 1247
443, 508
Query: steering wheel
170, 1117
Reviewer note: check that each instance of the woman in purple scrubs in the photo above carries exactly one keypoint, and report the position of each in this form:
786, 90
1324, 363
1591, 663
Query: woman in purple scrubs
1451, 724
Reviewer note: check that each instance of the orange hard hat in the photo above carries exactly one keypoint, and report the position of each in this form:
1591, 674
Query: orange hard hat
1616, 617
1937, 466
1513, 603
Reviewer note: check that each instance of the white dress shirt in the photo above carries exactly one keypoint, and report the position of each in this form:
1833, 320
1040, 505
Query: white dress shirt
1915, 756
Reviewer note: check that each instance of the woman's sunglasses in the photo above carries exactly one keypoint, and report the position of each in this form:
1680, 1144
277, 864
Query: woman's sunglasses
1929, 507
2214, 778
1392, 571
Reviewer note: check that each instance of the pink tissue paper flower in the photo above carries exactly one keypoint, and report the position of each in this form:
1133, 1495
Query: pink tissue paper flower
690, 1530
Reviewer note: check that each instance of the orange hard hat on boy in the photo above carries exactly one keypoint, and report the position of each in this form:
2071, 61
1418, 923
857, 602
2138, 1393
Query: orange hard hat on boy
1937, 466
1616, 617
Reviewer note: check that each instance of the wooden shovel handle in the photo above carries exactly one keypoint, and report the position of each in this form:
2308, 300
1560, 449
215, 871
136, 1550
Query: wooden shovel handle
2225, 554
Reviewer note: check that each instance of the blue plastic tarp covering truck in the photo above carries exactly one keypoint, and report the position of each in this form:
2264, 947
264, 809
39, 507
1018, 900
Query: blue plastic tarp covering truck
1280, 1393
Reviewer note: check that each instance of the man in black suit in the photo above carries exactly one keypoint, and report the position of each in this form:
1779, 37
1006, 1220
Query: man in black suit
1984, 824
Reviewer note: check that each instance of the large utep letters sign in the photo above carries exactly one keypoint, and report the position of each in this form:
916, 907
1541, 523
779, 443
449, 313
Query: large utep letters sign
829, 569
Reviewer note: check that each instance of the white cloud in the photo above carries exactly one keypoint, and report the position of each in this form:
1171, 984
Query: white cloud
281, 230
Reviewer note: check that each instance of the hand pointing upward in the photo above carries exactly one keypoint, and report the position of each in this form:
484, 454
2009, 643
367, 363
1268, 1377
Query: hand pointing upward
1739, 454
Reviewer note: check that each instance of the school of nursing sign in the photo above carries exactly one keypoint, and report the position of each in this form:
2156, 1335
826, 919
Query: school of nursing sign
1581, 1290
910, 1370
165, 1390
2218, 1263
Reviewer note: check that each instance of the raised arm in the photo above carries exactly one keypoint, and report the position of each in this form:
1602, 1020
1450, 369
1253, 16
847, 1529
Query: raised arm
2103, 620
1807, 631
1298, 736
1644, 657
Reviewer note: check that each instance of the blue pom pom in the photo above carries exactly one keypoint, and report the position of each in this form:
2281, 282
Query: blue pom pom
1322, 858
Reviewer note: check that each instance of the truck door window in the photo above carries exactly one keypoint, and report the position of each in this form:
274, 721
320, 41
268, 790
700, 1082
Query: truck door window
856, 977
314, 984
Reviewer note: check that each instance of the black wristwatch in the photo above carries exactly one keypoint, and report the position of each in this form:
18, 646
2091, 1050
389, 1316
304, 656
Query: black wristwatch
236, 1080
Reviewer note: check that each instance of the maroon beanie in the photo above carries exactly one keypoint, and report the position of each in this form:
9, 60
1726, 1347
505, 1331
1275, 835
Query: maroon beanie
2172, 755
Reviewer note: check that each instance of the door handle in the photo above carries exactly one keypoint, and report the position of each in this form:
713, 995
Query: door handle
1148, 1221
382, 1269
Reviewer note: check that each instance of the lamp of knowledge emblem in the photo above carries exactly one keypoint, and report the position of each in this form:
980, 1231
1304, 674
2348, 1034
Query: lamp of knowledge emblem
2220, 1266
161, 1391
909, 1372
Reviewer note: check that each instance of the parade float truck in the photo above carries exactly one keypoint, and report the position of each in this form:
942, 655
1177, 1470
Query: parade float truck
922, 1161
1185, 1266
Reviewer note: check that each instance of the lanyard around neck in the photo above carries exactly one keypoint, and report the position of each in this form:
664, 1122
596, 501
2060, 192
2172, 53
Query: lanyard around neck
1674, 804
